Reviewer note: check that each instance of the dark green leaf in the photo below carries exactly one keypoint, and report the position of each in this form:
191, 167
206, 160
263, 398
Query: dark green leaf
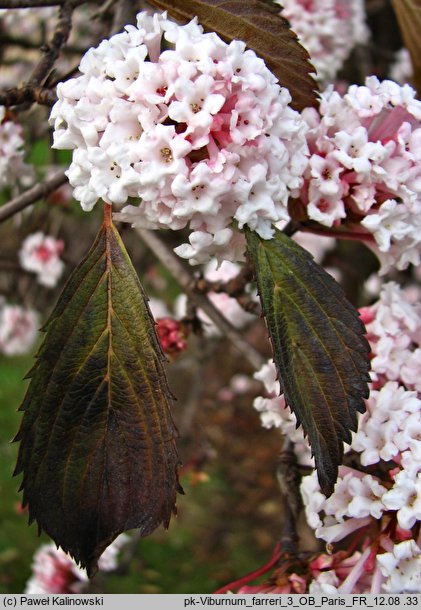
319, 347
259, 24
97, 448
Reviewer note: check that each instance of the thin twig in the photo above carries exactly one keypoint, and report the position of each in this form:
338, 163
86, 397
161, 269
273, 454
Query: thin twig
33, 90
312, 226
193, 400
21, 95
289, 478
16, 41
59, 78
244, 580
38, 3
52, 50
374, 6
12, 266
184, 278
40, 190
291, 228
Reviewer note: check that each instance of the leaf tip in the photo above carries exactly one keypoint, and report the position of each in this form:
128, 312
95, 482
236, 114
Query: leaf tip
327, 486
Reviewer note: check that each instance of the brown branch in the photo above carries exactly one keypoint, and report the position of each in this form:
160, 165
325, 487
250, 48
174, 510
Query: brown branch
12, 266
63, 77
52, 50
104, 11
191, 404
291, 228
15, 41
26, 43
374, 6
38, 3
184, 278
289, 483
33, 90
27, 94
40, 190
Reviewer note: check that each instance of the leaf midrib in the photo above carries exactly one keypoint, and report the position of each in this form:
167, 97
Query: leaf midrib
298, 280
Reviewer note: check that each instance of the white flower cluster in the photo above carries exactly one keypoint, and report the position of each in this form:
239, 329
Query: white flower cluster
402, 568
198, 129
55, 572
340, 573
359, 497
12, 166
364, 170
40, 254
394, 330
18, 329
328, 29
384, 488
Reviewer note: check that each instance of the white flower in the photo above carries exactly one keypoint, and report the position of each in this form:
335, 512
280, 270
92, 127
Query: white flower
405, 498
313, 499
55, 572
325, 583
395, 337
18, 329
40, 254
387, 427
402, 567
357, 497
12, 167
201, 133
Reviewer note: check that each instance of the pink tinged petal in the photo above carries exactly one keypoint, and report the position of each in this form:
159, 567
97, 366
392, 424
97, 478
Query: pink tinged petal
355, 574
385, 125
333, 533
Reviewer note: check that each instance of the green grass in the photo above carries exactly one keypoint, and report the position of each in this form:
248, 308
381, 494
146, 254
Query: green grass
17, 543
